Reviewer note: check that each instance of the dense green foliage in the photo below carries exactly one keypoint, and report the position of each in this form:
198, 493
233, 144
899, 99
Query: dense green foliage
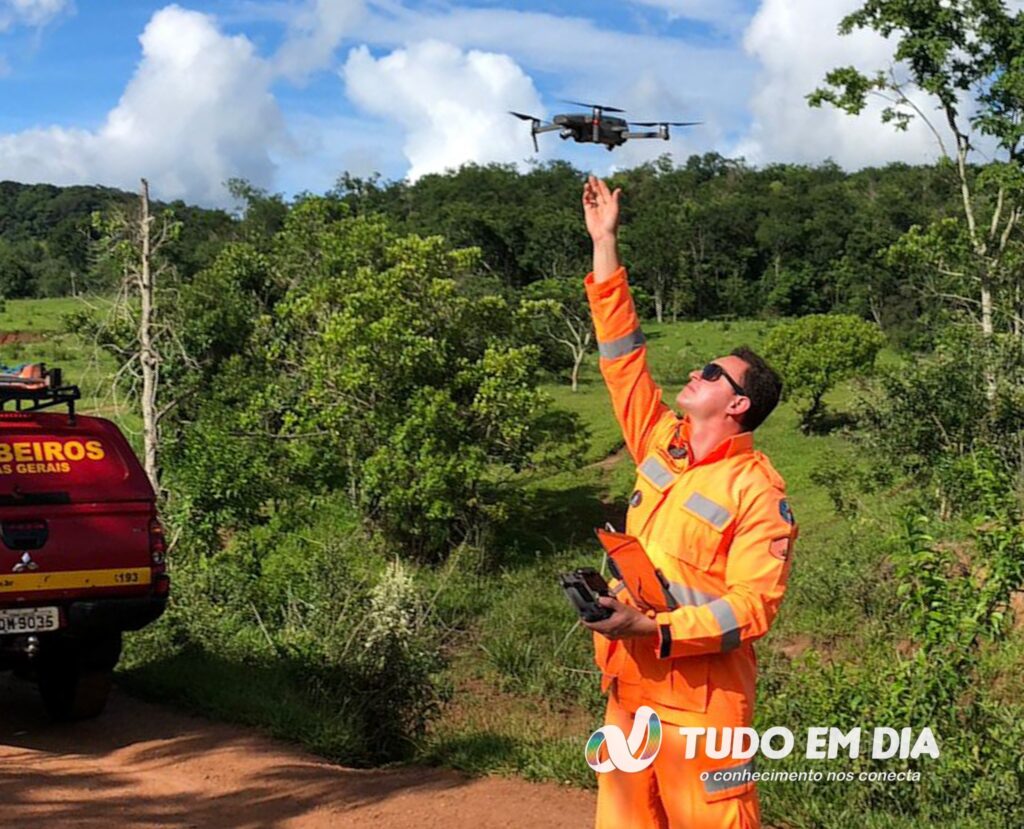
816, 352
708, 237
303, 605
47, 238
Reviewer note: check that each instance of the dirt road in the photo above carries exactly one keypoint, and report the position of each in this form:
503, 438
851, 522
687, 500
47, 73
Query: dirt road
144, 765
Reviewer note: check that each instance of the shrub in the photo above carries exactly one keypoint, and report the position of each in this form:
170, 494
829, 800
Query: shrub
416, 398
307, 613
931, 419
816, 352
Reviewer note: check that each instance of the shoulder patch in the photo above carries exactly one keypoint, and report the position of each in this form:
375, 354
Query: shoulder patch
786, 512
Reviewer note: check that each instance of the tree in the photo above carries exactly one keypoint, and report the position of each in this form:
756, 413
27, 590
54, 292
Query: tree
652, 228
262, 214
15, 272
417, 399
815, 352
139, 328
557, 311
968, 57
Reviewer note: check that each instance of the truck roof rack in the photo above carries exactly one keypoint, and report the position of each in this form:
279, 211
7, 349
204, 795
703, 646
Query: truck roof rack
32, 387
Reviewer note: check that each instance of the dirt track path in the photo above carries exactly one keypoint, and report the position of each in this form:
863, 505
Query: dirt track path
143, 765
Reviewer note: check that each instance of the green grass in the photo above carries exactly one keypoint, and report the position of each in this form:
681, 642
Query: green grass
38, 315
83, 363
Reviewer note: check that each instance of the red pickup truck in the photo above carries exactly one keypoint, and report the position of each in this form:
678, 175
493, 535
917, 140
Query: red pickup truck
81, 548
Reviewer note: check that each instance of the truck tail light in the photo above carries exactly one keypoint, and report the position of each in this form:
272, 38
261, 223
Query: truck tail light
157, 543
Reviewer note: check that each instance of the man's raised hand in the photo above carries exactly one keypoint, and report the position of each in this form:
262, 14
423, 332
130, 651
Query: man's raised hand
600, 209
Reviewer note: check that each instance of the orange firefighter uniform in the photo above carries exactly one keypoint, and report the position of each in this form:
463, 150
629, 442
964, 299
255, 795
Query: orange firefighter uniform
721, 531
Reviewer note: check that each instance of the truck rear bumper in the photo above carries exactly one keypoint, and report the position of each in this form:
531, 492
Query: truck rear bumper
99, 615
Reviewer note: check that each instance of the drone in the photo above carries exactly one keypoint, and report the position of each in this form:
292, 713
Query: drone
597, 128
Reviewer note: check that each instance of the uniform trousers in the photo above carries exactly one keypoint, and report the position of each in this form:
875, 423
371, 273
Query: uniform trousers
669, 793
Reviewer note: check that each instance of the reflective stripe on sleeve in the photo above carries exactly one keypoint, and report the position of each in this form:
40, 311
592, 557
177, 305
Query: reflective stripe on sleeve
726, 619
622, 346
689, 596
721, 779
706, 508
656, 472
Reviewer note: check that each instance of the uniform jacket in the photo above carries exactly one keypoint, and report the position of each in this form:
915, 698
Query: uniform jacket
720, 530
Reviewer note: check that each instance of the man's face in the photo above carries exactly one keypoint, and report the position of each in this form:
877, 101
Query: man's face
709, 399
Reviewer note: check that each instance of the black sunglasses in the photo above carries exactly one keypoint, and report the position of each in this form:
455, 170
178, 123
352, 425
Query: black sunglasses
712, 371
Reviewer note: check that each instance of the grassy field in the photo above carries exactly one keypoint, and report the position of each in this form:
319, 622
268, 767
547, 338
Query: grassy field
524, 693
36, 326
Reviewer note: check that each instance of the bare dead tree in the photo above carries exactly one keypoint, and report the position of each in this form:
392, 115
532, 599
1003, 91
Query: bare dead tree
149, 357
136, 329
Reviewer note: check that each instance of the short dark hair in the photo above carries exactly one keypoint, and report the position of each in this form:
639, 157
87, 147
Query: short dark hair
762, 384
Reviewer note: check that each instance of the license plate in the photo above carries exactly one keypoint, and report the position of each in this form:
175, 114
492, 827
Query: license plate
29, 620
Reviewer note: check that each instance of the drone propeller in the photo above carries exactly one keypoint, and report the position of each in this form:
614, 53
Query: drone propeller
533, 126
594, 106
666, 123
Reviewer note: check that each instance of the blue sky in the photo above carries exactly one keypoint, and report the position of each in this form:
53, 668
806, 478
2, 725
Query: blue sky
289, 93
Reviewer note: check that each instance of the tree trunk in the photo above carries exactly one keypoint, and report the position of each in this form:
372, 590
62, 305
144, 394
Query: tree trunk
1018, 304
979, 246
147, 352
578, 354
659, 299
986, 306
987, 330
876, 313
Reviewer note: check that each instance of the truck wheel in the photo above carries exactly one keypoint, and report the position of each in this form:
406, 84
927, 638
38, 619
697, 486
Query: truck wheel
75, 695
75, 676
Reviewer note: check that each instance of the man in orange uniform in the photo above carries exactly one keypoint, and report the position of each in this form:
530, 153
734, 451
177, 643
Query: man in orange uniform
712, 514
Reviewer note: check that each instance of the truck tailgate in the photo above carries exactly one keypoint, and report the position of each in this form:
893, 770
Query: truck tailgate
57, 552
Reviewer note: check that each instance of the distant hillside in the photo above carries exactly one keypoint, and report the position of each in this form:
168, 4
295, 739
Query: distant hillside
708, 237
46, 236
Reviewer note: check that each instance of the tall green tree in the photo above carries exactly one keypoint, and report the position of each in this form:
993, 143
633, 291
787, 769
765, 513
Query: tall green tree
653, 233
968, 57
414, 396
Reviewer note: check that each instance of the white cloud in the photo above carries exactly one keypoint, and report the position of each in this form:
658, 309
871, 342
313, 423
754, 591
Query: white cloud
651, 77
574, 46
30, 12
452, 105
726, 14
796, 43
314, 34
197, 111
